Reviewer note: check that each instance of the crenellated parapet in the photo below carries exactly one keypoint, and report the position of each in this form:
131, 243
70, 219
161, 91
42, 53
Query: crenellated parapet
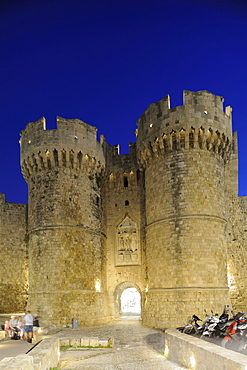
199, 123
72, 145
55, 159
122, 170
120, 179
192, 138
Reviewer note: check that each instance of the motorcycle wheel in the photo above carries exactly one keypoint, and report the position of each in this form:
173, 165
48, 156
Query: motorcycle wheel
226, 343
205, 337
189, 331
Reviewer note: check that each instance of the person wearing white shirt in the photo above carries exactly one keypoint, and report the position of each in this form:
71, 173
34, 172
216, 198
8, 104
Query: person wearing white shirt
28, 326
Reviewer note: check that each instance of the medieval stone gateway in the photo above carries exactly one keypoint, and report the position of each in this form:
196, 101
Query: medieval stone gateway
120, 289
164, 219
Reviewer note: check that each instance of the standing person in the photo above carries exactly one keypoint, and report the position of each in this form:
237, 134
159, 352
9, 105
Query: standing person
28, 326
35, 324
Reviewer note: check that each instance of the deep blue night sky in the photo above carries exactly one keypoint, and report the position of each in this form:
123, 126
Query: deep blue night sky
105, 61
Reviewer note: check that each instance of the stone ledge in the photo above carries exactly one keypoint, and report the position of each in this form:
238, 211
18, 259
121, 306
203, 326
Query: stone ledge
197, 354
2, 334
20, 362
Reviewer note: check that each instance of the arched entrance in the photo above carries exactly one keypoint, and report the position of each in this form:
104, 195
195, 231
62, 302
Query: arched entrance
131, 301
127, 298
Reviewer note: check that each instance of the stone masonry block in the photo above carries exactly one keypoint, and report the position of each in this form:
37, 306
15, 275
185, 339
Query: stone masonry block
64, 342
94, 342
75, 342
103, 342
2, 334
21, 362
4, 362
85, 342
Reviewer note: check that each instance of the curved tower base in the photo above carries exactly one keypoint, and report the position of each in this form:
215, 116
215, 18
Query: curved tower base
65, 239
167, 308
184, 151
61, 307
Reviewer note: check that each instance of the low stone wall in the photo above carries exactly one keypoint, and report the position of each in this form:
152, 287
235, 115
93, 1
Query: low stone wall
44, 356
196, 354
86, 342
20, 362
2, 334
47, 353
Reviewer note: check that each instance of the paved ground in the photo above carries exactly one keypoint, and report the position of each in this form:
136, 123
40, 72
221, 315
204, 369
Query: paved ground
136, 348
137, 357
12, 348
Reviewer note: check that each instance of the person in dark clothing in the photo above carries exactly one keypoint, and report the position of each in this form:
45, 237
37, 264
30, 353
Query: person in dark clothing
35, 324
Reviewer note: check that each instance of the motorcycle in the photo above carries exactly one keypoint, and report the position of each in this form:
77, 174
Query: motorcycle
209, 326
215, 326
192, 327
235, 332
242, 348
209, 322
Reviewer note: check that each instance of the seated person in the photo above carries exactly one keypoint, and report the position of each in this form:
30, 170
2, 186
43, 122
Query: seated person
20, 325
6, 327
13, 325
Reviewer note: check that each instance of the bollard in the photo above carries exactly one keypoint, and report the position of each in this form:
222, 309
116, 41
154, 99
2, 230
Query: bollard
74, 323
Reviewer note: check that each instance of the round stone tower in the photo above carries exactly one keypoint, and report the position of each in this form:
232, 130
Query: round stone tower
183, 152
63, 168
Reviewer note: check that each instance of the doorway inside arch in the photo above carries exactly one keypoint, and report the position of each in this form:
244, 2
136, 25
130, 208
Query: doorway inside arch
130, 302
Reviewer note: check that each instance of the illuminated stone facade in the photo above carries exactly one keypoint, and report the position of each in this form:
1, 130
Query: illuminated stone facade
165, 219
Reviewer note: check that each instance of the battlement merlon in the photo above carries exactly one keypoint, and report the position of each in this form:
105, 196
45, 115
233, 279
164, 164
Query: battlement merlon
204, 98
70, 134
2, 198
200, 109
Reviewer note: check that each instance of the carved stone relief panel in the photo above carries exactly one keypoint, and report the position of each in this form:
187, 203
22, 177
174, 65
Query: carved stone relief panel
127, 252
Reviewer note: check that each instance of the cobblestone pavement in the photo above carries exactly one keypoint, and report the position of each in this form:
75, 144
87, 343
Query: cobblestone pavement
136, 348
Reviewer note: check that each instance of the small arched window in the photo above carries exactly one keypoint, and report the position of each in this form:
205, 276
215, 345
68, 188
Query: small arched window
182, 138
97, 201
191, 137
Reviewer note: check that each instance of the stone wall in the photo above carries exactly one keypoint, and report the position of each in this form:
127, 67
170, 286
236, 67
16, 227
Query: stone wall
184, 155
165, 219
237, 251
64, 169
13, 254
196, 354
124, 217
236, 233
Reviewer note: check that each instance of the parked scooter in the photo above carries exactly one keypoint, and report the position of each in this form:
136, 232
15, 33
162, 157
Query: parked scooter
235, 331
216, 326
242, 348
191, 328
209, 325
213, 325
209, 319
